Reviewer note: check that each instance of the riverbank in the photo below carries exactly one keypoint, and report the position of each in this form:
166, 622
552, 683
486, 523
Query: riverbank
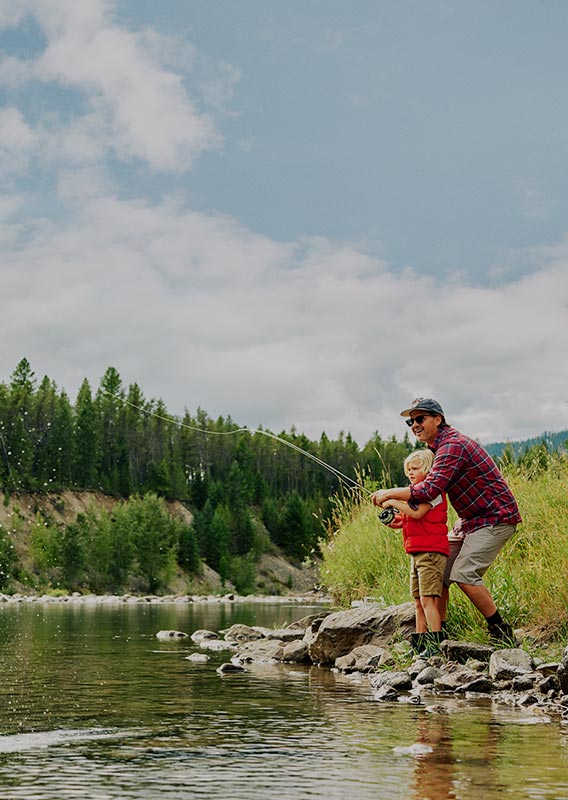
76, 598
371, 643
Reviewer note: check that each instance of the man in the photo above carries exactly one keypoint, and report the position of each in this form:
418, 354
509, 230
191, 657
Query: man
478, 492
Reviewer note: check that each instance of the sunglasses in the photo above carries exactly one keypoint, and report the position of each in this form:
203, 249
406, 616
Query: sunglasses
418, 420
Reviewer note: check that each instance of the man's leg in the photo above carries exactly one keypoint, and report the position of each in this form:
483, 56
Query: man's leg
480, 597
478, 552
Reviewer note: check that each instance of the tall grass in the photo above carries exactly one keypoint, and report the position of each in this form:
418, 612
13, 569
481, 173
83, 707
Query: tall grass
528, 580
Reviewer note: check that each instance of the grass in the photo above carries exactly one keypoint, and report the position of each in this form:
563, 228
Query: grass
362, 557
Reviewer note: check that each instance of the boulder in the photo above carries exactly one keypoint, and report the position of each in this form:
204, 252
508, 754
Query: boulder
507, 664
287, 634
306, 622
428, 675
362, 659
461, 652
343, 631
549, 684
396, 679
242, 633
451, 681
228, 668
262, 650
386, 693
480, 684
171, 635
216, 645
198, 658
562, 672
296, 652
201, 635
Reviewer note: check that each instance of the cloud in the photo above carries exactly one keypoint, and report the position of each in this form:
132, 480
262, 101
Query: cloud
203, 312
136, 107
16, 141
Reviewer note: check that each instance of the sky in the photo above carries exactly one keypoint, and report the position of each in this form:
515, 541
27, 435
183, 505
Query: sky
302, 213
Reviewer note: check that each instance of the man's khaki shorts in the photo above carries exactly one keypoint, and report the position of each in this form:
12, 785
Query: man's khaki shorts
471, 557
427, 574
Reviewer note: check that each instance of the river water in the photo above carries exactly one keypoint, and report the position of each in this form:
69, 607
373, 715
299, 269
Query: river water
94, 706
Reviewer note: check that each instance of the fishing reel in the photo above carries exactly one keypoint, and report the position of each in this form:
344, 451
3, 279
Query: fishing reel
387, 515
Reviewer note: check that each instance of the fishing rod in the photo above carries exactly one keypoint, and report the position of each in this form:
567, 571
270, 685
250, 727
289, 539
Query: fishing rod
329, 467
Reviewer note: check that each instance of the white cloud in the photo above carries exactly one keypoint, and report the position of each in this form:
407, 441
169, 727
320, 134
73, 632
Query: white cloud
203, 312
200, 311
137, 108
16, 140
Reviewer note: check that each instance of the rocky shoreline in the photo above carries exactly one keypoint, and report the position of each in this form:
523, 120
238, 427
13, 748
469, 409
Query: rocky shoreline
76, 598
371, 642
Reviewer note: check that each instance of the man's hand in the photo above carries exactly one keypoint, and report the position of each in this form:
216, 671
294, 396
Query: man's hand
379, 497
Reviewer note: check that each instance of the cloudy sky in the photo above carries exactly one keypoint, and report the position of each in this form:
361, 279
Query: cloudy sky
295, 212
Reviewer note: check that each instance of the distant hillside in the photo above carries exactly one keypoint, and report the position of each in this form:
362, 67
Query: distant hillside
555, 441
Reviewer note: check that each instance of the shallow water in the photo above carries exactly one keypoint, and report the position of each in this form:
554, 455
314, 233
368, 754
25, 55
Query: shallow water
93, 706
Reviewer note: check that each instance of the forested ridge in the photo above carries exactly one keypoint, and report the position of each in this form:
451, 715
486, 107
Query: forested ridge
246, 490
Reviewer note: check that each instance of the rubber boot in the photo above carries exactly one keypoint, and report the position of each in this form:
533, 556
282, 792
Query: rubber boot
502, 633
417, 642
432, 641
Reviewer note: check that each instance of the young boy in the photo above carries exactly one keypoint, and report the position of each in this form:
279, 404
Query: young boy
425, 535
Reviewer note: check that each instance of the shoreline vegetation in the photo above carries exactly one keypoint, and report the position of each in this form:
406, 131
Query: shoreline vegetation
363, 558
113, 495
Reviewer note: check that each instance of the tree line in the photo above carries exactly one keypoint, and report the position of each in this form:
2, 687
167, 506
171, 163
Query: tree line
242, 487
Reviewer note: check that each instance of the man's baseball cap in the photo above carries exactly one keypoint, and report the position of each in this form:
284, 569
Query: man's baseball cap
424, 404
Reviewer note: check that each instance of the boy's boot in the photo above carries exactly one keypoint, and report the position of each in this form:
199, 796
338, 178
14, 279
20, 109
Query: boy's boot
417, 642
432, 641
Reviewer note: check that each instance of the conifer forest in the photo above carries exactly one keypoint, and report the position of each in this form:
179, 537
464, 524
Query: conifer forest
246, 491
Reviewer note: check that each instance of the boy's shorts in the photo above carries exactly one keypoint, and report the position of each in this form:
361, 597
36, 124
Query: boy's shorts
427, 574
471, 557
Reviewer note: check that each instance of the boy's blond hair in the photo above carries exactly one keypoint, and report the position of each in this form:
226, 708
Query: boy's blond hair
424, 457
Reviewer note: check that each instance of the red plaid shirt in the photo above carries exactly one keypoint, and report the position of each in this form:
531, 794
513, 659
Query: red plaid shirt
474, 485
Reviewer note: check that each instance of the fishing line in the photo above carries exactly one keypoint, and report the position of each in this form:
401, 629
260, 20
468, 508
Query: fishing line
338, 474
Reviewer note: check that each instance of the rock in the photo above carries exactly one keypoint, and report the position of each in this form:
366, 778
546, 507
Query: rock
201, 635
198, 658
362, 659
524, 683
228, 668
461, 652
308, 621
450, 681
341, 632
528, 699
216, 645
562, 672
262, 650
385, 693
242, 633
296, 653
397, 679
507, 664
549, 684
416, 668
171, 635
476, 666
287, 634
428, 675
546, 668
479, 685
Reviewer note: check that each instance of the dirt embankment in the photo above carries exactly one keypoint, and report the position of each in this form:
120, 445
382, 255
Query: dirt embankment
19, 512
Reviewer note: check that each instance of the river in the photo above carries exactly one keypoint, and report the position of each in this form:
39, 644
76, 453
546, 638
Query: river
94, 706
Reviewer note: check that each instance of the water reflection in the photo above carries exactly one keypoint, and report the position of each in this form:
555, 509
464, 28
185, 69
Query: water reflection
92, 705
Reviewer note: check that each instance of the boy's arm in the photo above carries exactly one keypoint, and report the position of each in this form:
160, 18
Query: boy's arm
404, 508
